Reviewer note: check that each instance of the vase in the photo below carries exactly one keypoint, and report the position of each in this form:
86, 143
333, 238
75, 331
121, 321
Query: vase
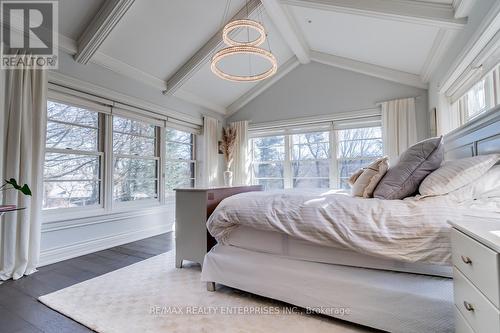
228, 178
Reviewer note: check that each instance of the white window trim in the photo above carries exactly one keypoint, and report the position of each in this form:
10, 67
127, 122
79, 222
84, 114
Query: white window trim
104, 107
123, 205
193, 159
343, 121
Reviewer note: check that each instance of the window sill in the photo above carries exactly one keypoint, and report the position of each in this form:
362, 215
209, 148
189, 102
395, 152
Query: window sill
122, 211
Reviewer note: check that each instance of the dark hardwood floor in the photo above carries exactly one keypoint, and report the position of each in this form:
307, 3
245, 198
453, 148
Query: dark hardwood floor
20, 310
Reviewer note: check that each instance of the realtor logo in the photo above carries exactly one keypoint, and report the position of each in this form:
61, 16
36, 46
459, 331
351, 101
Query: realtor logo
29, 35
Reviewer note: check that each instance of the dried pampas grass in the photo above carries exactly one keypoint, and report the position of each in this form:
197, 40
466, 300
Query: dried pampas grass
227, 146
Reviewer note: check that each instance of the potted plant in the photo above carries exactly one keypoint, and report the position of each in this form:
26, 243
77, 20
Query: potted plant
12, 184
227, 146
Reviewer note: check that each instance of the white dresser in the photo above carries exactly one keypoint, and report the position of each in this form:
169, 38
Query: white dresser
193, 206
476, 273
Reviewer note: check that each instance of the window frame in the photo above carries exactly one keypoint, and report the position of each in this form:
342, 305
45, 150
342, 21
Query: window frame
338, 159
333, 160
286, 165
100, 153
192, 161
491, 94
121, 205
106, 111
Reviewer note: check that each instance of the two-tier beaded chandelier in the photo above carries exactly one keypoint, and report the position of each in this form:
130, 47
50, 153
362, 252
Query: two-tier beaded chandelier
249, 47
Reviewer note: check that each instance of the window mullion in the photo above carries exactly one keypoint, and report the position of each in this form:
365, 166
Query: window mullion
108, 162
334, 165
162, 152
287, 167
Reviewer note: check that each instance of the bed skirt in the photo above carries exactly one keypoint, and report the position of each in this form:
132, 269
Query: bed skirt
390, 301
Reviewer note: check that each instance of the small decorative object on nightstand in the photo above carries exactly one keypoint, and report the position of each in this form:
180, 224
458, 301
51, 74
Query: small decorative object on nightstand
193, 206
476, 274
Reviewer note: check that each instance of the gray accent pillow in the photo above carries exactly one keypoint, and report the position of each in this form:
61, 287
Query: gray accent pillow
414, 165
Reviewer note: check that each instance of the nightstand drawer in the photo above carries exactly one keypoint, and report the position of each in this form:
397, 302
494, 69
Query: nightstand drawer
478, 263
481, 315
461, 325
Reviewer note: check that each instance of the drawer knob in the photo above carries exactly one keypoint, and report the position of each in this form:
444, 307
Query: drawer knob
466, 260
468, 306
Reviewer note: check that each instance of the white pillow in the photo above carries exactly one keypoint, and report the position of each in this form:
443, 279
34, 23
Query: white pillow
367, 179
456, 174
487, 186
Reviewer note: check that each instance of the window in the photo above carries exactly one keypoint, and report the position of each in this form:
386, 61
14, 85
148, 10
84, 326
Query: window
311, 160
180, 162
481, 97
268, 154
103, 157
135, 160
73, 159
356, 148
305, 160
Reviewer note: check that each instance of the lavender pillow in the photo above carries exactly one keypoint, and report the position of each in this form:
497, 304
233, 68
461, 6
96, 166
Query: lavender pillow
414, 165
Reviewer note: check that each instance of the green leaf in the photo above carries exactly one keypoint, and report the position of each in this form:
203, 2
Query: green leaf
23, 189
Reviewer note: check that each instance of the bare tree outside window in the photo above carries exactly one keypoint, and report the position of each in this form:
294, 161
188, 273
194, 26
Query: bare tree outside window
180, 165
309, 161
72, 168
268, 155
135, 162
356, 148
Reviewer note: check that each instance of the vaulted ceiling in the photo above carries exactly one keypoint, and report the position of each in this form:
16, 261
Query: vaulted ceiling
168, 44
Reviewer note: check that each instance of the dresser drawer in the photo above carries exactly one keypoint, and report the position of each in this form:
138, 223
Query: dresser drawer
481, 315
461, 325
478, 263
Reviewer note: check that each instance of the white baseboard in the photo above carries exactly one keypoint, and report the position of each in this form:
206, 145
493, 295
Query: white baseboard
54, 255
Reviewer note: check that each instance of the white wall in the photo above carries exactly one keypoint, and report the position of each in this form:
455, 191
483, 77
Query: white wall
316, 89
479, 11
65, 237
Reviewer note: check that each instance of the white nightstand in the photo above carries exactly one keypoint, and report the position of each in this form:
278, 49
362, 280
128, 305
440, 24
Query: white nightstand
476, 273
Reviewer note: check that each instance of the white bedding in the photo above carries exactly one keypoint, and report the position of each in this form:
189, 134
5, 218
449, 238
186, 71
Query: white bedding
282, 245
404, 230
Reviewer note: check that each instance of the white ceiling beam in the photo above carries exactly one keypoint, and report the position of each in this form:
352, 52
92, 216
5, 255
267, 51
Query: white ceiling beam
258, 89
424, 13
369, 69
463, 7
288, 29
204, 54
106, 19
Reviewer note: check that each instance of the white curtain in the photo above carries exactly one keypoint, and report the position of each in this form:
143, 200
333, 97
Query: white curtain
26, 112
399, 127
210, 152
241, 163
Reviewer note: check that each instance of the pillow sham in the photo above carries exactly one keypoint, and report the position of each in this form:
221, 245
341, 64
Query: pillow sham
354, 177
368, 179
455, 174
486, 186
414, 165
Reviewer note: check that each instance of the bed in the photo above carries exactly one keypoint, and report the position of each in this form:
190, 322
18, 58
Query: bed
397, 286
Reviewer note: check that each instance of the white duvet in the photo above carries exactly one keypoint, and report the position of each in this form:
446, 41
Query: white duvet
407, 230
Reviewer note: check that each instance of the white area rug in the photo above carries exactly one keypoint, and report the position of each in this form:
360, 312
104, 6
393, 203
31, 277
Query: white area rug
154, 296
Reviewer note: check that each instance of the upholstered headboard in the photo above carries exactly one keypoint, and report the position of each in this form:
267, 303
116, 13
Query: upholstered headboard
480, 136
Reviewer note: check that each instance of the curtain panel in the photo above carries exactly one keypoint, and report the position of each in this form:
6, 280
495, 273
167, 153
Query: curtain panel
241, 163
24, 139
210, 152
399, 127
